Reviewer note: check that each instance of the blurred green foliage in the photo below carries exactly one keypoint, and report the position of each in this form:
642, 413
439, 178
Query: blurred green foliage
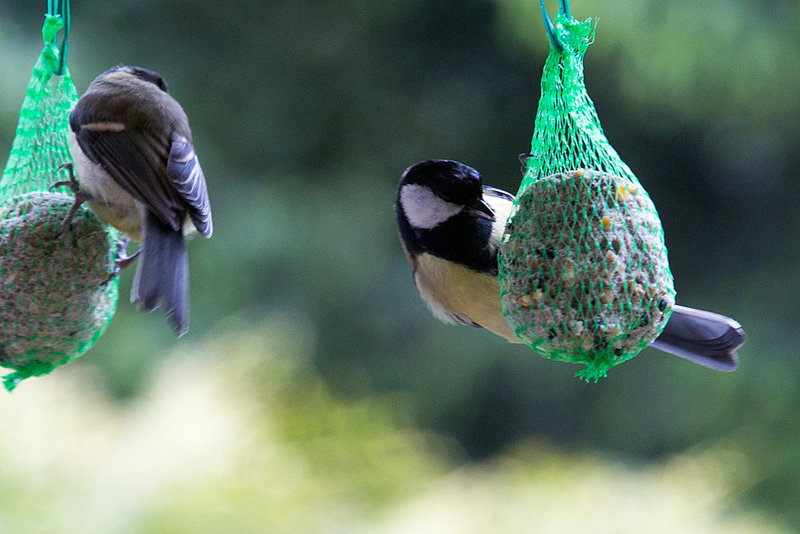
306, 113
239, 434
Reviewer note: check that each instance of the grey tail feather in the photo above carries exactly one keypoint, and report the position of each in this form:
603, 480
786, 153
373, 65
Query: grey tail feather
162, 276
706, 338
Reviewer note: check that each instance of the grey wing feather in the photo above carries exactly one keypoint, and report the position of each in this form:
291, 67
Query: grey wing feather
706, 338
186, 176
461, 319
499, 193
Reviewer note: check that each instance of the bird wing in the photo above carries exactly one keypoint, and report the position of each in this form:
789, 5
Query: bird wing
499, 193
186, 176
462, 319
136, 160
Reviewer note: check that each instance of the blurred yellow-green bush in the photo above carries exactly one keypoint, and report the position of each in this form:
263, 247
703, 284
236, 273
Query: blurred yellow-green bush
239, 434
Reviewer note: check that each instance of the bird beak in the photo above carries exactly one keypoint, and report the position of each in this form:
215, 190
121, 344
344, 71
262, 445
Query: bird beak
481, 210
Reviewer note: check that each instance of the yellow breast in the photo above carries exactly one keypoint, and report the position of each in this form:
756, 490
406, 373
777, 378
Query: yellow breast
449, 287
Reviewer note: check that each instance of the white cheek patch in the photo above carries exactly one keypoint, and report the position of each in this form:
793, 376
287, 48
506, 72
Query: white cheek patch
423, 208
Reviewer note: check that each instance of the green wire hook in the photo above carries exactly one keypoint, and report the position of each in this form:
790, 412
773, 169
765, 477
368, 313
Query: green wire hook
548, 23
564, 4
52, 10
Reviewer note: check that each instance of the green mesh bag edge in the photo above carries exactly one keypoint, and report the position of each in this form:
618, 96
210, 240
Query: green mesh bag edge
583, 266
58, 290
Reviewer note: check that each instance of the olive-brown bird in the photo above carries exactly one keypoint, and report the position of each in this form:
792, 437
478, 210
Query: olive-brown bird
137, 169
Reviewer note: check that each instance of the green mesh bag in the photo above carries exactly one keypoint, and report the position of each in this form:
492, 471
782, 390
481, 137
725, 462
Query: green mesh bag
57, 292
583, 267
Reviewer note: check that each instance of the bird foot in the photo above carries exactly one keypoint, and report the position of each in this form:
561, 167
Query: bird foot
123, 261
80, 196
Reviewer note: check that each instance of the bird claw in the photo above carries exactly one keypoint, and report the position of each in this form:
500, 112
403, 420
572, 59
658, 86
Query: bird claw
523, 160
80, 196
123, 261
72, 183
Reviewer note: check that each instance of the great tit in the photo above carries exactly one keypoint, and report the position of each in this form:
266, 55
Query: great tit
451, 227
136, 167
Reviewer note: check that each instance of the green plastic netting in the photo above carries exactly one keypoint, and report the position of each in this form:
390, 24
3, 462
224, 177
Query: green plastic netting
57, 292
583, 267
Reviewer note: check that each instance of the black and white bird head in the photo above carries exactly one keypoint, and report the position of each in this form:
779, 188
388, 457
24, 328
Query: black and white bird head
433, 191
444, 210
